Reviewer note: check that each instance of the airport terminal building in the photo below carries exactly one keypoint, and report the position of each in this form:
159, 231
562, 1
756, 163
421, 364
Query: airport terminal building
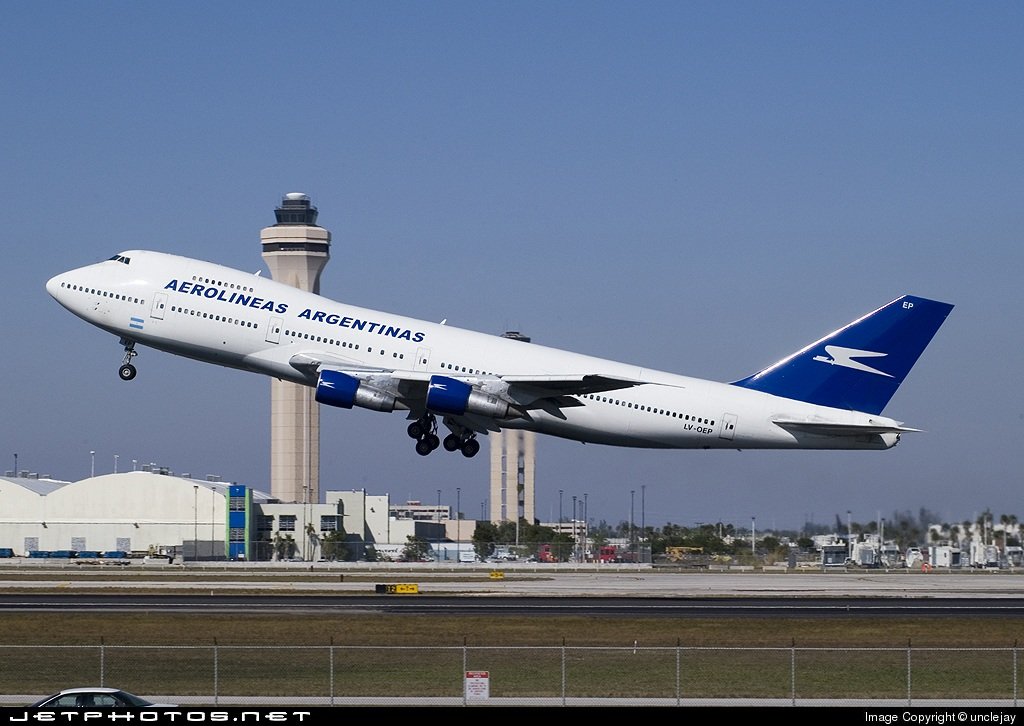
154, 513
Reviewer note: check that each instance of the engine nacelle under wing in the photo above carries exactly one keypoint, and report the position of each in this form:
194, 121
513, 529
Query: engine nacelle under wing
335, 388
454, 397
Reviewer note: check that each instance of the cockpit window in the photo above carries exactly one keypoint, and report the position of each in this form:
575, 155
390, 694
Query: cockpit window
122, 258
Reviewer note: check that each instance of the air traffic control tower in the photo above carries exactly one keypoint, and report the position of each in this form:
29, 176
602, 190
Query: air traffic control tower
513, 469
296, 251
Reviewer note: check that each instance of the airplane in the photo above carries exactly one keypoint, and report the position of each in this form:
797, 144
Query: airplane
828, 395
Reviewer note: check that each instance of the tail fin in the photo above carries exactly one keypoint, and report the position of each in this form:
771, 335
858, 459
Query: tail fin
860, 366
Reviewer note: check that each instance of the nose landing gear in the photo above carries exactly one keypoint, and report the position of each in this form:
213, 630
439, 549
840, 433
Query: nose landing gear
127, 370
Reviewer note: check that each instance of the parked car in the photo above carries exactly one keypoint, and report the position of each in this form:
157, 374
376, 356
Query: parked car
97, 698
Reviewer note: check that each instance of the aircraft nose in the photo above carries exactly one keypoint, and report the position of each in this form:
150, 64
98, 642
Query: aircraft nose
53, 286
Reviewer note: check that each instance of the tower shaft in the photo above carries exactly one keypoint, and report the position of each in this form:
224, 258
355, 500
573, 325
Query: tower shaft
513, 463
296, 251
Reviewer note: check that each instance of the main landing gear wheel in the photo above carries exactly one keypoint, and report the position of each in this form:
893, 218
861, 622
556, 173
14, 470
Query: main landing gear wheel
428, 443
127, 371
470, 448
461, 439
423, 430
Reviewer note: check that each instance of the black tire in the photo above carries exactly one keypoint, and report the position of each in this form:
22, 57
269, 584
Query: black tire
423, 447
470, 448
415, 430
432, 440
127, 372
451, 442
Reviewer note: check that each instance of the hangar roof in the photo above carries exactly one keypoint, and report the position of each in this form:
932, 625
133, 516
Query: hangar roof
41, 487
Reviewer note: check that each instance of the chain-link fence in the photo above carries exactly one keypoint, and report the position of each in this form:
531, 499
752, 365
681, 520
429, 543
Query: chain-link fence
332, 674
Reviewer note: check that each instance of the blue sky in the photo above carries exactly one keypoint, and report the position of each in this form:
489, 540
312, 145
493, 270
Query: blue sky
700, 187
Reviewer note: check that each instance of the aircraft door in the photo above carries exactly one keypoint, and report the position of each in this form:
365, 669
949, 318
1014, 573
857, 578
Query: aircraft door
728, 429
159, 303
274, 330
422, 359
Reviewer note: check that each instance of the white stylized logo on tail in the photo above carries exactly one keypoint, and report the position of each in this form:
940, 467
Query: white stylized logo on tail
839, 356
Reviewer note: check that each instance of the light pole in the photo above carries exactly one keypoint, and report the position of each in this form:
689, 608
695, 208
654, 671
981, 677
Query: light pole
586, 525
213, 517
575, 540
849, 536
92, 465
438, 553
632, 544
643, 513
572, 528
15, 465
458, 520
302, 525
362, 534
135, 463
753, 537
195, 524
115, 463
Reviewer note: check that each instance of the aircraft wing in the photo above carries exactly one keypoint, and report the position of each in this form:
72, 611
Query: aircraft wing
571, 385
546, 392
541, 385
311, 362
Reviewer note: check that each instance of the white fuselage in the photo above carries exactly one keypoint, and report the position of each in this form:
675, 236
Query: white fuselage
220, 315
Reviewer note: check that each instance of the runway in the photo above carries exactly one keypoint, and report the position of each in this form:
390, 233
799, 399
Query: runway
431, 590
515, 606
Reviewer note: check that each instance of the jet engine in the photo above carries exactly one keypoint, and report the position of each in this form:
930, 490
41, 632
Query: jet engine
453, 397
344, 391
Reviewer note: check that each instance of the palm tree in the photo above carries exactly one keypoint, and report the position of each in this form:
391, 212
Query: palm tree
284, 546
313, 539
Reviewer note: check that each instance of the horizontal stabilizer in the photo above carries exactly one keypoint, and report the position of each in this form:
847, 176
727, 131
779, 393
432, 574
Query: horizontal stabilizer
825, 428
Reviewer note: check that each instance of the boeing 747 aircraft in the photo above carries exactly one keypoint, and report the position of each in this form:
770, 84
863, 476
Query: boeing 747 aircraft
828, 395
